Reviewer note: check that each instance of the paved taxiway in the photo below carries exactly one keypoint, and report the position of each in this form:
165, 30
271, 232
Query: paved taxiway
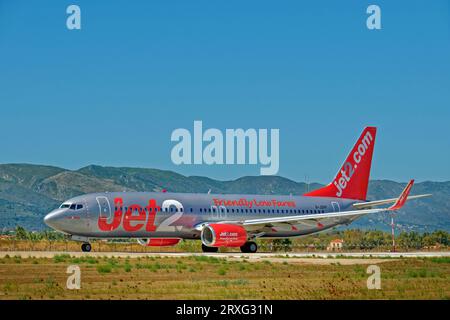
343, 258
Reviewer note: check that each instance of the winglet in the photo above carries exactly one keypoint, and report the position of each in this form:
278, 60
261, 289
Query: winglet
402, 198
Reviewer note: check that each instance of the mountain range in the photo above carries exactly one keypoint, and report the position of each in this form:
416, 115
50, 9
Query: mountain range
28, 192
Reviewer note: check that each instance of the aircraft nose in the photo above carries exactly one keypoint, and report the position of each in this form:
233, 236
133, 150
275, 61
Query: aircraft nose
52, 218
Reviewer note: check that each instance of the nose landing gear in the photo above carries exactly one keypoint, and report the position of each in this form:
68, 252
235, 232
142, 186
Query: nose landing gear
86, 247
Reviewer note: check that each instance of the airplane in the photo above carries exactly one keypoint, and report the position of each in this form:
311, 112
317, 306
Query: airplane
226, 220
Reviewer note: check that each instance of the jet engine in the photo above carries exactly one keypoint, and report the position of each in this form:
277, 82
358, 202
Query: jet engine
223, 235
159, 242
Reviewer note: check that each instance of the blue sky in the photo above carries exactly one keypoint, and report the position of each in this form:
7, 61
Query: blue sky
112, 93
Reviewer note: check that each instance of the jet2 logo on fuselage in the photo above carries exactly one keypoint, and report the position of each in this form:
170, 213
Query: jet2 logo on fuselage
146, 216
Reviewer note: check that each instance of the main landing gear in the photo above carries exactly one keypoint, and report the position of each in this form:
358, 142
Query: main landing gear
209, 249
249, 247
86, 247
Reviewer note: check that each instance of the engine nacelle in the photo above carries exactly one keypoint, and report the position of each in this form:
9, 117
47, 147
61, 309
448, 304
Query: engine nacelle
223, 235
159, 242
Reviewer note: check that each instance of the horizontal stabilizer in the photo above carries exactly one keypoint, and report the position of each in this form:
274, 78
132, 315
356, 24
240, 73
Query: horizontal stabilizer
371, 204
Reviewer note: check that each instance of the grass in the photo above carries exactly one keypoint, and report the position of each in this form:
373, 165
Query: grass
127, 267
423, 273
205, 277
104, 268
440, 260
61, 258
221, 272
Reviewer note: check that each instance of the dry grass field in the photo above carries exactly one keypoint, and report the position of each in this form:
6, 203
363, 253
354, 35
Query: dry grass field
205, 277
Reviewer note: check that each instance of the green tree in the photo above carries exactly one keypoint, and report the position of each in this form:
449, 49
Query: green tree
440, 237
21, 233
410, 240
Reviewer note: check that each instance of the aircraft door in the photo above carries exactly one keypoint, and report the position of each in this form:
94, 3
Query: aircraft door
336, 207
104, 207
87, 213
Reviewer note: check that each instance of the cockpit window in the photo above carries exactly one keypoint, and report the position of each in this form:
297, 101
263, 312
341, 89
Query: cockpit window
71, 206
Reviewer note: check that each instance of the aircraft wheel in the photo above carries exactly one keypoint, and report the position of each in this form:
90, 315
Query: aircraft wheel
209, 249
86, 247
249, 247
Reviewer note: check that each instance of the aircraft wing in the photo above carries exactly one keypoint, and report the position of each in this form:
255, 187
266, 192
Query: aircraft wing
307, 219
315, 219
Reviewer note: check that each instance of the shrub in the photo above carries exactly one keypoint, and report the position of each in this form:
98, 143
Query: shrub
61, 258
127, 267
105, 268
221, 272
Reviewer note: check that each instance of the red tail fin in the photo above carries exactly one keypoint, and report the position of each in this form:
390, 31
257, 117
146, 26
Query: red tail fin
352, 179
